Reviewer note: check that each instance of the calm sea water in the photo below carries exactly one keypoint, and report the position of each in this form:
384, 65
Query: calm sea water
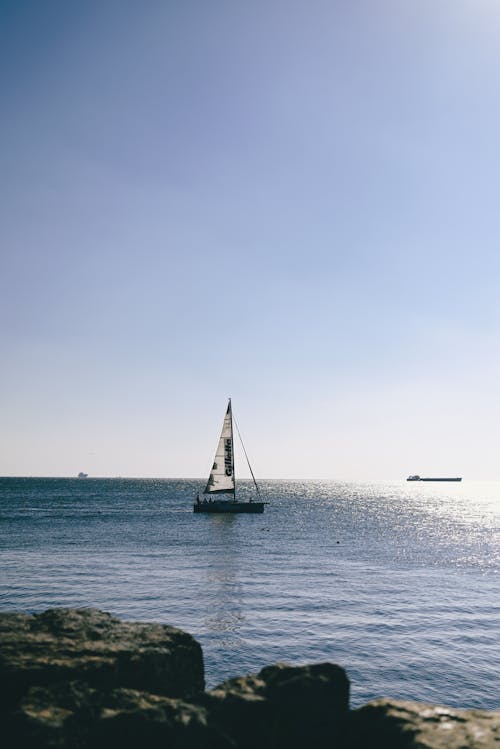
396, 582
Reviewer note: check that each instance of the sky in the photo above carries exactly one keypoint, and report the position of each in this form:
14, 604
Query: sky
291, 203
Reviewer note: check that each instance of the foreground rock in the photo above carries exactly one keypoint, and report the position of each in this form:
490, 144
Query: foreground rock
73, 715
282, 706
92, 646
399, 724
81, 679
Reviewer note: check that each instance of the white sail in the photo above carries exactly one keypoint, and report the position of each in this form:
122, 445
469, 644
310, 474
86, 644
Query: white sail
221, 479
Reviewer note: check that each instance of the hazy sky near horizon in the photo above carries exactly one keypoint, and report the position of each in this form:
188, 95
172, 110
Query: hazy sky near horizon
291, 203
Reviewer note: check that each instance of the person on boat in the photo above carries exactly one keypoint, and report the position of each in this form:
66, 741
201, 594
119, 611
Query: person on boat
197, 498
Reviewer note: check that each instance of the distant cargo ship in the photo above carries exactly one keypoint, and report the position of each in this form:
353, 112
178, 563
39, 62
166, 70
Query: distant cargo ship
82, 475
440, 478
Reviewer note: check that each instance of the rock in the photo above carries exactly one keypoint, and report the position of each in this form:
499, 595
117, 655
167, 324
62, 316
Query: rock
73, 715
98, 649
398, 724
282, 706
81, 679
136, 719
239, 709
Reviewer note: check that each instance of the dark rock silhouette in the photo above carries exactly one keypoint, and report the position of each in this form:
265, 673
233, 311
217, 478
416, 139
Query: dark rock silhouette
282, 706
82, 679
95, 647
402, 724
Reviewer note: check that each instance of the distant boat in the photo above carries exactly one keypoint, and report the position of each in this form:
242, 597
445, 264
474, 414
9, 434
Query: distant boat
222, 479
439, 478
82, 475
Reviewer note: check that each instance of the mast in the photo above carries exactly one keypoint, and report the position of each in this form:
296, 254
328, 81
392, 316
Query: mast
232, 448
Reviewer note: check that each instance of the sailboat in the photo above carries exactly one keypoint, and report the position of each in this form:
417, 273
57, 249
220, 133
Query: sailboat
222, 479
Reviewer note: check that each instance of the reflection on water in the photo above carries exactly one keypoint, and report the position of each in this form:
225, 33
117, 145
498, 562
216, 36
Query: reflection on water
222, 571
224, 620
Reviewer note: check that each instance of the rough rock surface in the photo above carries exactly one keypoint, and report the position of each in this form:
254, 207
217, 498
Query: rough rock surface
72, 715
81, 679
400, 724
282, 706
95, 647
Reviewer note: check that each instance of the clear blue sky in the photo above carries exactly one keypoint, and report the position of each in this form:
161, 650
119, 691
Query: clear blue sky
291, 203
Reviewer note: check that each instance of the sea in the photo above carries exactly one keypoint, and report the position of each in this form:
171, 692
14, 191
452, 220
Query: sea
398, 582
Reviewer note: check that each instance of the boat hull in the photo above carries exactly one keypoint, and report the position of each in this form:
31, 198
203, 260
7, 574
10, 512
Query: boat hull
458, 478
228, 506
438, 479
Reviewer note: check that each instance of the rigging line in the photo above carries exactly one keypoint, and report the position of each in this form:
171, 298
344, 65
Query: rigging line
246, 456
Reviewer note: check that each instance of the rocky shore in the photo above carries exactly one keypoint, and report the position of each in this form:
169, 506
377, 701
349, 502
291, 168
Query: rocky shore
80, 678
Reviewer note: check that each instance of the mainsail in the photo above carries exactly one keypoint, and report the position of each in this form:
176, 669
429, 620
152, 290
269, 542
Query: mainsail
221, 479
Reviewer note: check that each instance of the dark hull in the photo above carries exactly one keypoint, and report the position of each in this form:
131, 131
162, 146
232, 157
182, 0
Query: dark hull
457, 479
228, 506
437, 479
